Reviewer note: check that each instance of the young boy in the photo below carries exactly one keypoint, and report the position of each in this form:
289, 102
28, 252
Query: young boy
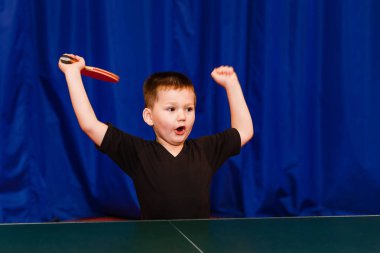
172, 175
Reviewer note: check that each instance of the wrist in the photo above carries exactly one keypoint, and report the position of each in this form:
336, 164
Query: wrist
231, 84
72, 71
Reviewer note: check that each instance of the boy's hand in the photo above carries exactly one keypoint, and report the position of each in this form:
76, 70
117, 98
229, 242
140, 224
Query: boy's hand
75, 66
225, 76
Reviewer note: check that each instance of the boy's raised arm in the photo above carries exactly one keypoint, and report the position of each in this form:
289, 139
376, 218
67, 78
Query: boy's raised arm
241, 119
80, 102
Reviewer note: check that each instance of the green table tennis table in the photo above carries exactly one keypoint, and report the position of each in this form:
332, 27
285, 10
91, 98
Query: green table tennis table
359, 234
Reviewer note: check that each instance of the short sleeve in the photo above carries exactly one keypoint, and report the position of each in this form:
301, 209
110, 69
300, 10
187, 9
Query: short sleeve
221, 146
122, 148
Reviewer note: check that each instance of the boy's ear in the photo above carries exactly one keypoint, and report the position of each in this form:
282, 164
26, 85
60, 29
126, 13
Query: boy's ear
147, 115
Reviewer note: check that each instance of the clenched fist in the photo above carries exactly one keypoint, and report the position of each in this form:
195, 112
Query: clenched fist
224, 76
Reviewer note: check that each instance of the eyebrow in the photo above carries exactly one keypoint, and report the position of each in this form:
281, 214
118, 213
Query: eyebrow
174, 103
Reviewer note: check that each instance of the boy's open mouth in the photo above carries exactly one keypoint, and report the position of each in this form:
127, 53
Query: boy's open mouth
180, 130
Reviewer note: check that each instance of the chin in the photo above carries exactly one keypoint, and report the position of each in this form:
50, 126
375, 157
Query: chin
180, 140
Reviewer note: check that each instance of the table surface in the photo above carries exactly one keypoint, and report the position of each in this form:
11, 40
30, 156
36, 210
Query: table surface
308, 234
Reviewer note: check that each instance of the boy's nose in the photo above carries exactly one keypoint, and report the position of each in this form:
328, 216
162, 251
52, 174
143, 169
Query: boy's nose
181, 115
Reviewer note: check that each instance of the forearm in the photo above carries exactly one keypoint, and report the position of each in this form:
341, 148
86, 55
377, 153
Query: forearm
240, 115
82, 107
79, 99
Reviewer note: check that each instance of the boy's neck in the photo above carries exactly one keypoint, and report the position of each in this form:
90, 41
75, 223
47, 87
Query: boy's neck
174, 150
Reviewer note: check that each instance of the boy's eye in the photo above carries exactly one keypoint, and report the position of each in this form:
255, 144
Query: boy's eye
170, 109
189, 109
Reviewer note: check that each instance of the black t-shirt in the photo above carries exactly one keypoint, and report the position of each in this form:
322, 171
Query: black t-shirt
167, 186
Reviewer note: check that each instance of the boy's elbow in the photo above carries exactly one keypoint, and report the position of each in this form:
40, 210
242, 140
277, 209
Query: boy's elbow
96, 130
246, 136
251, 134
86, 128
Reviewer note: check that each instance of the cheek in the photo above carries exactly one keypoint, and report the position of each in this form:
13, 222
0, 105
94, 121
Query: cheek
191, 120
163, 122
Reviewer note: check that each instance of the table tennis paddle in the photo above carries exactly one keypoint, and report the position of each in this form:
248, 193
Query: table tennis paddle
93, 72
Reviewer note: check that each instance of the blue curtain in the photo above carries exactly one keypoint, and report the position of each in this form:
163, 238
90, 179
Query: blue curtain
309, 71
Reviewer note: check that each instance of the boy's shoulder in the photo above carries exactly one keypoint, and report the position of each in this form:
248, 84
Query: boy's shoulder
226, 137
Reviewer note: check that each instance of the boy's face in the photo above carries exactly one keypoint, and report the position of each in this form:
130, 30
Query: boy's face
173, 116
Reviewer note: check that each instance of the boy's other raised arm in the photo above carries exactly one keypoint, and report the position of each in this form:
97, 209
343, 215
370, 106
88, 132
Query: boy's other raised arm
82, 107
241, 119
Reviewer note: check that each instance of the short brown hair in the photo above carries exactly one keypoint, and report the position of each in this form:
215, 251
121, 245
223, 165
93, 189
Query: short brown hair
162, 80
